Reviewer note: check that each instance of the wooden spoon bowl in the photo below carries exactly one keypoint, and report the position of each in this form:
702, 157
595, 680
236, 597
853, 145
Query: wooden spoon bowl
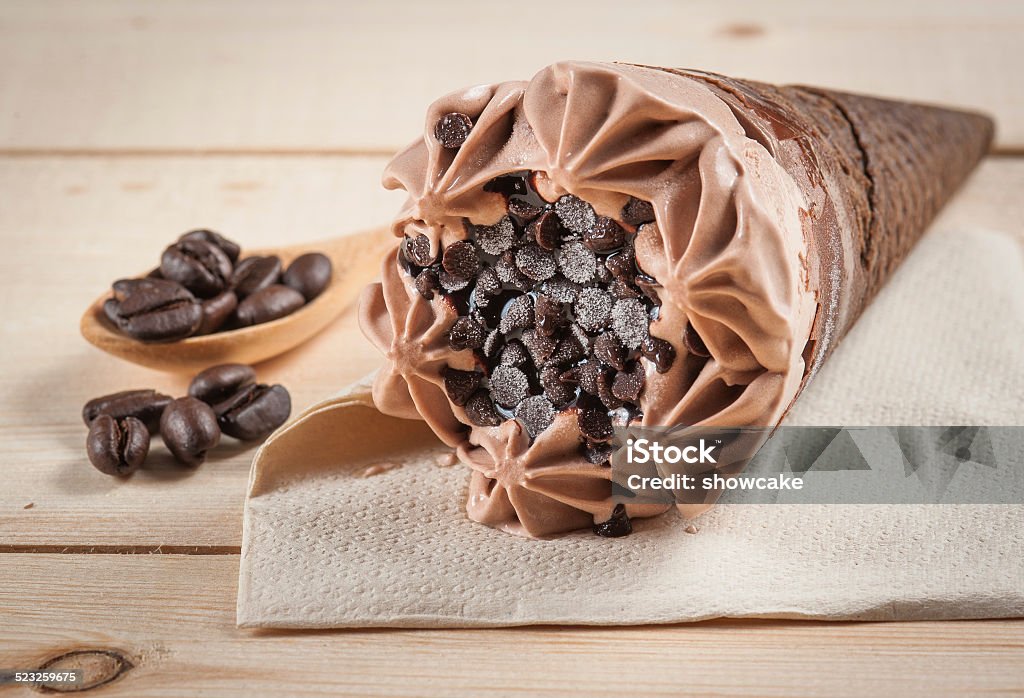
356, 261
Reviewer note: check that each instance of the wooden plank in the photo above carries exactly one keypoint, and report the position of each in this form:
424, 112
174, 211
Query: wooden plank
113, 74
172, 617
98, 218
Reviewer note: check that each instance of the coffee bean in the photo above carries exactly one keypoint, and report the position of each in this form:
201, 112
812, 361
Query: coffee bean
267, 304
117, 446
693, 342
229, 248
216, 312
637, 212
199, 266
460, 385
218, 383
617, 526
154, 310
189, 429
480, 410
452, 129
308, 274
144, 405
460, 260
659, 352
466, 334
254, 411
254, 274
604, 236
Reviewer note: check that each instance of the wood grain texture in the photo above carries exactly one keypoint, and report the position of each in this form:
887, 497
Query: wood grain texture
317, 75
97, 218
171, 617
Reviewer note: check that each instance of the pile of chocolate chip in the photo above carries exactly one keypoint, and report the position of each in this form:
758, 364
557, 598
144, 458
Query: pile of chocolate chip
201, 287
553, 305
222, 399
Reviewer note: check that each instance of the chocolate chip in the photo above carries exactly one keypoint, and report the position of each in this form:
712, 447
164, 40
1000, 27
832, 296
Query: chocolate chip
561, 289
546, 230
452, 129
487, 285
659, 352
536, 413
621, 289
602, 274
576, 262
593, 308
495, 239
480, 410
518, 315
509, 386
637, 212
589, 374
604, 236
466, 334
452, 283
594, 424
549, 316
523, 209
581, 336
492, 343
598, 453
417, 250
621, 265
427, 282
630, 322
540, 346
575, 213
648, 288
617, 526
509, 273
460, 385
559, 393
535, 263
568, 351
609, 350
460, 260
627, 385
514, 354
693, 342
605, 394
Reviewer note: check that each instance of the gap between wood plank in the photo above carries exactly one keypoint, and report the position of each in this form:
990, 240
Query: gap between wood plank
124, 549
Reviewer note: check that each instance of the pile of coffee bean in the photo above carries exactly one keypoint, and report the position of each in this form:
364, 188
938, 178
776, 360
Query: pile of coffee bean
555, 308
202, 286
224, 399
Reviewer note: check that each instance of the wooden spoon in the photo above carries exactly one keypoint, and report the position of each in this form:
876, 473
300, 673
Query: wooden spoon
356, 260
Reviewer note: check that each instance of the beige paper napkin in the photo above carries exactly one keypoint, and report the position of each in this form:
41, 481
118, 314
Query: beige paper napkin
347, 525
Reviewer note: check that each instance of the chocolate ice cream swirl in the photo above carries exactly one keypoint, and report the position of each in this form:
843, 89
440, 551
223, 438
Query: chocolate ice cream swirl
726, 251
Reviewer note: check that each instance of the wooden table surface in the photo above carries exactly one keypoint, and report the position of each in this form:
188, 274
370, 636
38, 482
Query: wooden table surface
124, 124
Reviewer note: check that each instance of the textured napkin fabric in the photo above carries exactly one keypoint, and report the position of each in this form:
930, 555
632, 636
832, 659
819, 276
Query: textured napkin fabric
357, 519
